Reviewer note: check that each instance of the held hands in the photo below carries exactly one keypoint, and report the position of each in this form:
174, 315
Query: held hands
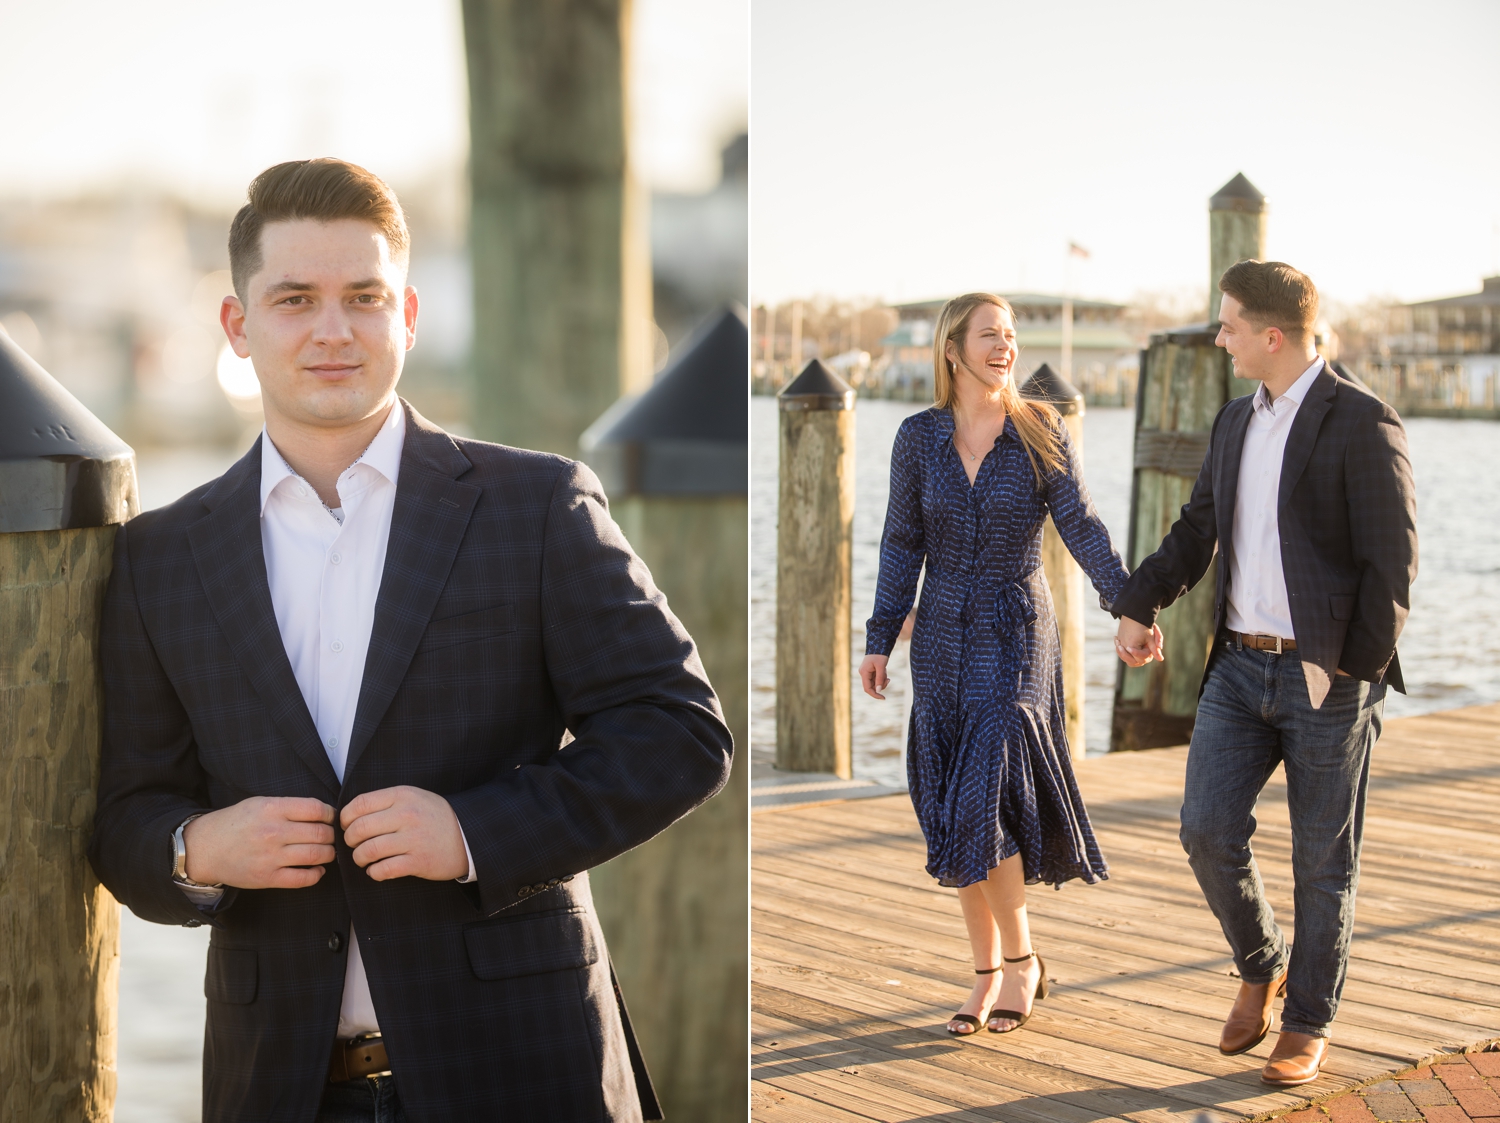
1137, 644
872, 675
261, 843
405, 832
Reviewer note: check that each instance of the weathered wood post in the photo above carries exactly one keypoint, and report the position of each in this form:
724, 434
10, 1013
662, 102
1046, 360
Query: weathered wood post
558, 232
1064, 577
1236, 232
1184, 381
675, 463
66, 482
814, 578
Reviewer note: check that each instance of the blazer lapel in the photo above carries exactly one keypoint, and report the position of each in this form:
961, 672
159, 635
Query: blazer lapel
1304, 434
1227, 476
427, 526
231, 564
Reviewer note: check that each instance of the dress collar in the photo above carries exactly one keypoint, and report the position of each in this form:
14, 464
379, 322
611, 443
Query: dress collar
946, 425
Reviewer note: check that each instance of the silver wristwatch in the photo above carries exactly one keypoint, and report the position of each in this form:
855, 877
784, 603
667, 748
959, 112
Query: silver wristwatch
179, 857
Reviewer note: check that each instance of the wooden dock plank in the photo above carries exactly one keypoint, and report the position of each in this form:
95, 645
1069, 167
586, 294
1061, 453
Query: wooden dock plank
859, 957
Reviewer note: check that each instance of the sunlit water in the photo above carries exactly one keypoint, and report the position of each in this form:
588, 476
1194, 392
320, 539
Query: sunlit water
1450, 651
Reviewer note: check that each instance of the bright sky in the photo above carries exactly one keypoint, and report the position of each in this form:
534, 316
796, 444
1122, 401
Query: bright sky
200, 95
911, 150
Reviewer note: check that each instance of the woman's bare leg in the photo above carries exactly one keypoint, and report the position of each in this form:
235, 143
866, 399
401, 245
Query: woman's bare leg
1005, 897
984, 939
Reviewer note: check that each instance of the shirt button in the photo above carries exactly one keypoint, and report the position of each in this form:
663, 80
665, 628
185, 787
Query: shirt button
333, 742
336, 646
302, 491
336, 558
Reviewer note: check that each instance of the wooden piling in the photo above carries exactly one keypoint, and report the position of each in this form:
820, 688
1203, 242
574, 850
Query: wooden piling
1064, 577
562, 271
1236, 232
675, 912
66, 481
1185, 379
814, 577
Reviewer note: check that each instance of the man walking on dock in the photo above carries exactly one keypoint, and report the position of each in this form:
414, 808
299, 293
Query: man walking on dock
1306, 493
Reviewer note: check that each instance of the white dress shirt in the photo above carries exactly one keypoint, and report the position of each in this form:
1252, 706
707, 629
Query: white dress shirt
1258, 604
324, 567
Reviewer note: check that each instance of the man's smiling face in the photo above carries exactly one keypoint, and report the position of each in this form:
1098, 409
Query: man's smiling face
327, 321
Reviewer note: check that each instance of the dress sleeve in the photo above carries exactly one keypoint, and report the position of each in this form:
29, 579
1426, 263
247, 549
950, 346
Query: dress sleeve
1081, 528
903, 546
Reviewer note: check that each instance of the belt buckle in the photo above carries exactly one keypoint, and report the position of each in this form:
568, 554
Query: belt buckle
1277, 649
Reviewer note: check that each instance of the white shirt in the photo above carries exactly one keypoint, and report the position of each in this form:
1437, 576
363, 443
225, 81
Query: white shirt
324, 568
1258, 604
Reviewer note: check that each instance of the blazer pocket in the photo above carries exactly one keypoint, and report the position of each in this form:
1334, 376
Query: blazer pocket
1341, 606
232, 975
468, 627
559, 940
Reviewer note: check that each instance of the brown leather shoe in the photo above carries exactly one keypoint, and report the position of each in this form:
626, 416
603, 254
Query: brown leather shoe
1250, 1018
1296, 1059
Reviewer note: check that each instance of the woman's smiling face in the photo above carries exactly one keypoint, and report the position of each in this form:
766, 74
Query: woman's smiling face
990, 350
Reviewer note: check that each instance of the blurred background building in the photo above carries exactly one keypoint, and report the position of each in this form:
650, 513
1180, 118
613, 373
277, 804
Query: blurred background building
1434, 357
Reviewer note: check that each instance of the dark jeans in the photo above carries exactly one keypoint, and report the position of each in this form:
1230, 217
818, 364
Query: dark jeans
368, 1099
1253, 715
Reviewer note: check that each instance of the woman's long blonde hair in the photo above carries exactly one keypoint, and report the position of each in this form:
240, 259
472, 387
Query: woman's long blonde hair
1037, 422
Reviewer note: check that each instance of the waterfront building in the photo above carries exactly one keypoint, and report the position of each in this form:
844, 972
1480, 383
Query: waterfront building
1440, 357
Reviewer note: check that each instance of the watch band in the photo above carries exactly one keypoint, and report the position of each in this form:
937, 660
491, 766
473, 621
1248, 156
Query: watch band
179, 857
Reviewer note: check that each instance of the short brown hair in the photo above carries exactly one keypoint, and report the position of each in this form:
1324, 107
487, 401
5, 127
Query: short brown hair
324, 189
1273, 295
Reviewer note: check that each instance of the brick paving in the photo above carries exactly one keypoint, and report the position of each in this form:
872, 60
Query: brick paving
1463, 1088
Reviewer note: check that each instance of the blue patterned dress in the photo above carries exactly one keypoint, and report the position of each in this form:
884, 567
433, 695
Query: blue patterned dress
988, 755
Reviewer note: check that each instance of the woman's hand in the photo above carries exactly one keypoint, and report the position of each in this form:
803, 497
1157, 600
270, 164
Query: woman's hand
872, 675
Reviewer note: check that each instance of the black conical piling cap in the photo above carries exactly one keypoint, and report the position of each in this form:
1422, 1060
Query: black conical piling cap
817, 387
60, 466
1046, 385
1239, 194
690, 433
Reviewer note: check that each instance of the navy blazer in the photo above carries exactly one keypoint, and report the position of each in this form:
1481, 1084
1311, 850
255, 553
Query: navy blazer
511, 611
1347, 512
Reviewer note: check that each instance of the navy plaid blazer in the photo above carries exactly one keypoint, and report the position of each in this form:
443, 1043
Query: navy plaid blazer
1347, 511
511, 610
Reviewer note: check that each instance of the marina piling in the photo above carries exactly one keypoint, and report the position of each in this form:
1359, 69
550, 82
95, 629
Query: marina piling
66, 483
1064, 577
814, 575
1185, 379
674, 463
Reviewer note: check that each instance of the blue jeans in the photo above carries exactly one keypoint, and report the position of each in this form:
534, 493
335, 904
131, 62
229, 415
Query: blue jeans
367, 1099
1253, 715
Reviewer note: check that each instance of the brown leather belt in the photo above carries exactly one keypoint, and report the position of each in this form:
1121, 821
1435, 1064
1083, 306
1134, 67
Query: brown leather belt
364, 1056
1265, 643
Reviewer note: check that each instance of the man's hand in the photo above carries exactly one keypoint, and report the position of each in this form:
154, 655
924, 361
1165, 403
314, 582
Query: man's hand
872, 675
405, 832
261, 843
1137, 644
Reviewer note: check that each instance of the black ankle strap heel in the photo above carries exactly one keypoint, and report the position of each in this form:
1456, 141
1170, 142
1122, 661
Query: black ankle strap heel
970, 1019
1041, 992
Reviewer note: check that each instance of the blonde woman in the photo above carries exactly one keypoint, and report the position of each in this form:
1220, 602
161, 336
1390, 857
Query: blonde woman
972, 481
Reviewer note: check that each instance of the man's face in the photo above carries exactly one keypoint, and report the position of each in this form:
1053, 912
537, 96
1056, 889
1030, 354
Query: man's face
327, 321
1250, 348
